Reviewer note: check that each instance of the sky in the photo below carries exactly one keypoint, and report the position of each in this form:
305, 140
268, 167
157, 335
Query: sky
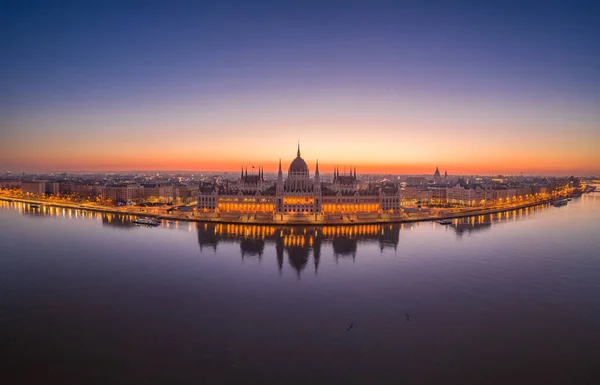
492, 87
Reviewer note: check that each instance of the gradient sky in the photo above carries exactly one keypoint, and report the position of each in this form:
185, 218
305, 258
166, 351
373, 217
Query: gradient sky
471, 87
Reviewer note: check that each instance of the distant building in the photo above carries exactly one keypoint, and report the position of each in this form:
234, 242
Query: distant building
437, 177
524, 192
158, 192
83, 189
541, 190
10, 184
122, 193
34, 187
505, 194
415, 180
464, 194
438, 195
52, 188
40, 187
185, 193
416, 195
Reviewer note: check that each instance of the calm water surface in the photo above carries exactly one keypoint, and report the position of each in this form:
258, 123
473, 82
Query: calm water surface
510, 298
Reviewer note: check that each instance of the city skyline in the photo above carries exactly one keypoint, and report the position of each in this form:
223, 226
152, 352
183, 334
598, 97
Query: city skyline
270, 169
398, 88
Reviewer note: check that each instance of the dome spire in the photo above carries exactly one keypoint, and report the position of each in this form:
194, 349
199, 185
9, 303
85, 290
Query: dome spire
298, 153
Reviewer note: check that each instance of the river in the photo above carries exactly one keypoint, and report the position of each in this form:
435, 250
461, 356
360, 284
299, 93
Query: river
509, 298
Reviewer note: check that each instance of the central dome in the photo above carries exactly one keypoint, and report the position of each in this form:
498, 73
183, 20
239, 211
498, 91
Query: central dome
298, 165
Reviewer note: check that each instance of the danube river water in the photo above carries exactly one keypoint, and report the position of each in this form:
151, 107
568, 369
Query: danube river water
511, 298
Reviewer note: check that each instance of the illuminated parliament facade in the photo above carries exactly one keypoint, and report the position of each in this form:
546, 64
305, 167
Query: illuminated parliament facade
299, 197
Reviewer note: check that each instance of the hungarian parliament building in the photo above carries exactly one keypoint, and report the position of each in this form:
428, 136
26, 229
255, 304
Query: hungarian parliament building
299, 196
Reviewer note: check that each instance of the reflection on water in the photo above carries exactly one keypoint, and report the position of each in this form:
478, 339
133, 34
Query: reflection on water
253, 238
477, 223
298, 244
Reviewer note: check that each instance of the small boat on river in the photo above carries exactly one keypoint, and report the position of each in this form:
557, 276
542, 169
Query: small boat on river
147, 221
445, 222
559, 203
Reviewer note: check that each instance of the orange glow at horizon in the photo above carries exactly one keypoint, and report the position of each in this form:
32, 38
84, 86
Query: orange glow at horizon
235, 166
410, 147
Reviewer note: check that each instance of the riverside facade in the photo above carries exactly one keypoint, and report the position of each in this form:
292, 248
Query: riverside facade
299, 197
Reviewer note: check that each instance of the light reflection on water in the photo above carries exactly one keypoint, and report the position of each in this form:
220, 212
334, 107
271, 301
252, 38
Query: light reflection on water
500, 298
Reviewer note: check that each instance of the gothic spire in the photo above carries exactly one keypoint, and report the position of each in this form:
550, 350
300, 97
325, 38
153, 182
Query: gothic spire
298, 153
317, 169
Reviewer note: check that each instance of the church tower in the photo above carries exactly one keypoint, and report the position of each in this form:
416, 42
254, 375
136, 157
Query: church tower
437, 178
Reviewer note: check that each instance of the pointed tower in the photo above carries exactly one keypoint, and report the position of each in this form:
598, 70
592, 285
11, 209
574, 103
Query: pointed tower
246, 170
279, 173
317, 189
279, 184
242, 174
279, 189
298, 153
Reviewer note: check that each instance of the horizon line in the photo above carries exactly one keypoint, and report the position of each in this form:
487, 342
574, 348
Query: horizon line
105, 172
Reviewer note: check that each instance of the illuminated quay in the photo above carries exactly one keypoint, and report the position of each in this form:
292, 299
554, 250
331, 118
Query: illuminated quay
299, 198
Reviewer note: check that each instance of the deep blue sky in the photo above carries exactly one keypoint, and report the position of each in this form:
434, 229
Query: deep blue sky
72, 68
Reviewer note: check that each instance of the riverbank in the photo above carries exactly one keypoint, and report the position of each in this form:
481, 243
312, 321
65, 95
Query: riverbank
410, 217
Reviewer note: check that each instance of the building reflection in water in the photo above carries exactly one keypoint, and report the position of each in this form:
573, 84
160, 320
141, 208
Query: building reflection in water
122, 221
471, 224
297, 243
479, 223
294, 243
